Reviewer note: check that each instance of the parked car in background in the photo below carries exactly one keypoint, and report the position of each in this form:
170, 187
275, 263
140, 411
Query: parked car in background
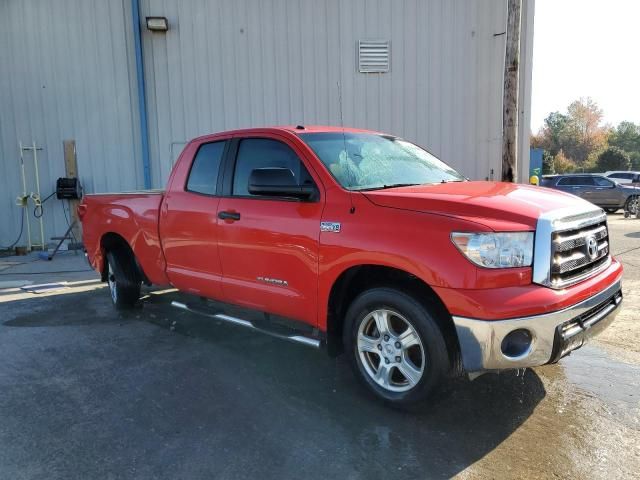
595, 188
624, 177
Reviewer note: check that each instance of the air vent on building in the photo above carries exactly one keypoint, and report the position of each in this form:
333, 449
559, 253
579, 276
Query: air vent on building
373, 56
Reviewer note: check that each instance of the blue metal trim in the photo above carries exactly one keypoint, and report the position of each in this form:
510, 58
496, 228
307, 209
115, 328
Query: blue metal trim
142, 96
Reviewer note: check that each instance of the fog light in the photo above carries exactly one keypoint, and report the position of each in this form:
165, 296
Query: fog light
516, 343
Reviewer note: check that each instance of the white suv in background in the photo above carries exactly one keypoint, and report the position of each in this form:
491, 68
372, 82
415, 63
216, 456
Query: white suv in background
624, 176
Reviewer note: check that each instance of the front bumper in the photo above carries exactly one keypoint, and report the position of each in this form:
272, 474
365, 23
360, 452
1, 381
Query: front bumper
553, 334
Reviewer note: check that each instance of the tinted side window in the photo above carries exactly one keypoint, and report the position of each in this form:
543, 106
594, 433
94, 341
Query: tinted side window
203, 176
265, 153
576, 181
603, 182
585, 181
579, 181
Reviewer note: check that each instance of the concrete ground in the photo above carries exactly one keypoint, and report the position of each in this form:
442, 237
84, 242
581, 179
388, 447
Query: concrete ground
86, 392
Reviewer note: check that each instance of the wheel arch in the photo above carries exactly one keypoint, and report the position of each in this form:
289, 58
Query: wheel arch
112, 241
358, 278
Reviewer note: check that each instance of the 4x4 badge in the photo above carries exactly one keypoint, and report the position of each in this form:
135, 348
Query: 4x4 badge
330, 227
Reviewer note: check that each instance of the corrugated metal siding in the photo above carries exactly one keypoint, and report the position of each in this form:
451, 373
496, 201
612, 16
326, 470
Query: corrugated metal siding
66, 71
228, 64
246, 63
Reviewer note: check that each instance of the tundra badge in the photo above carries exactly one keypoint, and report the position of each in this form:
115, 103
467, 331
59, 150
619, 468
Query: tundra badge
273, 281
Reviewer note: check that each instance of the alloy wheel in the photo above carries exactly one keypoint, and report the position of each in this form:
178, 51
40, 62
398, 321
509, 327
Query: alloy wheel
390, 350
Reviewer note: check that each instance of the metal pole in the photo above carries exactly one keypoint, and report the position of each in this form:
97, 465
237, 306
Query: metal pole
35, 163
142, 96
24, 195
510, 94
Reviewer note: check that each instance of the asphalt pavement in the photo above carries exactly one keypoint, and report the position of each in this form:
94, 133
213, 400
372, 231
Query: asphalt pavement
88, 392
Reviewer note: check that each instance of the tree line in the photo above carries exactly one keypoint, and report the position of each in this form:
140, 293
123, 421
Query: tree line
578, 141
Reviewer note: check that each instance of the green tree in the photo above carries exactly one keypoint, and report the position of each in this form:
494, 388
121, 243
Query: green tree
613, 158
562, 164
554, 132
626, 136
547, 163
579, 133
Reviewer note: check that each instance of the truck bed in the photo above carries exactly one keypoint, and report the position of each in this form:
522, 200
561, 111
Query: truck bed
132, 216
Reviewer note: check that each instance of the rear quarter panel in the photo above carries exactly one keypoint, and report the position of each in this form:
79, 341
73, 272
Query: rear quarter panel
133, 216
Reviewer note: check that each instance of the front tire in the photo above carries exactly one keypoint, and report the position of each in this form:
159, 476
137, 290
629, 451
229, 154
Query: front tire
611, 210
395, 346
632, 205
123, 279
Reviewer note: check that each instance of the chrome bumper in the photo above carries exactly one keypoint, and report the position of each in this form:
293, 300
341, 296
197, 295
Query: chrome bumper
553, 334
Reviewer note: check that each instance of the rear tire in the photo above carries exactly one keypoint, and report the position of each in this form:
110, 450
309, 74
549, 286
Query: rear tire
395, 346
611, 210
123, 279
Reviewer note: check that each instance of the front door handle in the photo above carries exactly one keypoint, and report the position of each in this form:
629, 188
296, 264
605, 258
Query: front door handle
233, 216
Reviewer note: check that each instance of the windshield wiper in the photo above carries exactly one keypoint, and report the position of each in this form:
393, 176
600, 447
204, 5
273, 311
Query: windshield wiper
384, 187
451, 181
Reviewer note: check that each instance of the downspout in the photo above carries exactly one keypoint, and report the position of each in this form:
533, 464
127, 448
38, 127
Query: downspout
142, 95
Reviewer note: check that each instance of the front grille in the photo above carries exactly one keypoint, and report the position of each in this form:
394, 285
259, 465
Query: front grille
578, 253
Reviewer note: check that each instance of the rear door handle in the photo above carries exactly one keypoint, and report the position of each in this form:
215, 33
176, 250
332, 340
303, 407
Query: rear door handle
233, 216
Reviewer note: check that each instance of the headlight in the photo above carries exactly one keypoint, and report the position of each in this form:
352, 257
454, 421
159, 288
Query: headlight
496, 250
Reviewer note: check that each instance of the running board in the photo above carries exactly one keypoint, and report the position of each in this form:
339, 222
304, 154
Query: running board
311, 342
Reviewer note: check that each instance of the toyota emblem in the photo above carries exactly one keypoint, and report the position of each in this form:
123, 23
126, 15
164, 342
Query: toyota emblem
592, 247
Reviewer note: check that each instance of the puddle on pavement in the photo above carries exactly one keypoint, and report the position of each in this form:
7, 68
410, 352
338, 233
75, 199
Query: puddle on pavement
615, 383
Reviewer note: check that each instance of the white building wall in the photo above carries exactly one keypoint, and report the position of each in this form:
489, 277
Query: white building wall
229, 64
67, 71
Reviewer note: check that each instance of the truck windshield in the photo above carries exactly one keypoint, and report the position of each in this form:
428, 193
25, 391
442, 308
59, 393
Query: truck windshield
367, 161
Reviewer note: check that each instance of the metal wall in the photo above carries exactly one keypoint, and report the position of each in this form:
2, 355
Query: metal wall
68, 71
227, 64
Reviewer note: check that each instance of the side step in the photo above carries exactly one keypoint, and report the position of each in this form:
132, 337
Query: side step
311, 342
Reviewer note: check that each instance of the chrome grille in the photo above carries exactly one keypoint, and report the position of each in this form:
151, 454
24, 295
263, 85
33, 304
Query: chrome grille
579, 252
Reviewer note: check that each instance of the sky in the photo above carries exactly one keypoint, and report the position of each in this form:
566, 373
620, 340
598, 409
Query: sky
586, 48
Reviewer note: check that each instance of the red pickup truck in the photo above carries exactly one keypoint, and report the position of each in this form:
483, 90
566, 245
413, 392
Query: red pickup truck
366, 244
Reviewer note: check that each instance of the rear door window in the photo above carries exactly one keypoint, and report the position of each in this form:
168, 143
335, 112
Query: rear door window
203, 177
577, 181
602, 182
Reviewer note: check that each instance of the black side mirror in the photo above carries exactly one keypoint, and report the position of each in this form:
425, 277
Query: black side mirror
278, 182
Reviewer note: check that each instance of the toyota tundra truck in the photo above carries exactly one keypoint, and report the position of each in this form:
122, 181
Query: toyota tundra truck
364, 244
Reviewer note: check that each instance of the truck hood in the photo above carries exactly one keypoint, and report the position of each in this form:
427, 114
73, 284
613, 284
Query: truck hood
497, 205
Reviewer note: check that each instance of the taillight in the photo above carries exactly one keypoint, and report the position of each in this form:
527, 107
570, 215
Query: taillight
82, 209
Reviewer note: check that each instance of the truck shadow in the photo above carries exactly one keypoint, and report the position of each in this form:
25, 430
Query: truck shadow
209, 389
460, 425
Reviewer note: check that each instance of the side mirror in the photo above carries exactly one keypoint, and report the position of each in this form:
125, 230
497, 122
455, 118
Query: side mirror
278, 182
